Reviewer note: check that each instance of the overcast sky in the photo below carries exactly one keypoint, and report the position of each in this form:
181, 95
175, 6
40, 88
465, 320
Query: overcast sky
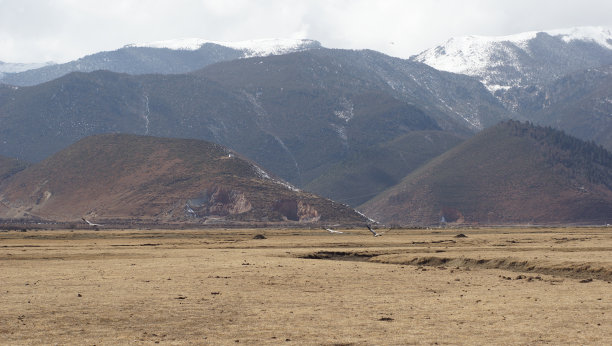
63, 30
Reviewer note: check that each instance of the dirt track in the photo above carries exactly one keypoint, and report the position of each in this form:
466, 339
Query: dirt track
224, 287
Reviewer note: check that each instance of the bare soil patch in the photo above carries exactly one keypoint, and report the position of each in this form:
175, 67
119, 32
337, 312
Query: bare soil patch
495, 286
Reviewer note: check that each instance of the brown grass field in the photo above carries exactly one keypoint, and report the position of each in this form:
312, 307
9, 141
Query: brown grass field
495, 286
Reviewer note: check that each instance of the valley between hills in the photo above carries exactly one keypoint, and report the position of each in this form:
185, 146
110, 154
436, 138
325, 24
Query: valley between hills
223, 135
225, 194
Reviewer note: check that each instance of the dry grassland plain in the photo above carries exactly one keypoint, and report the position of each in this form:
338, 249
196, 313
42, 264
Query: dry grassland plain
494, 286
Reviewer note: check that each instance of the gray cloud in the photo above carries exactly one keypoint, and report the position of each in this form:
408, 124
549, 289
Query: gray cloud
61, 30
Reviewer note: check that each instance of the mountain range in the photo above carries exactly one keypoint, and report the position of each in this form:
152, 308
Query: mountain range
6, 67
296, 114
530, 58
344, 124
558, 78
165, 57
579, 103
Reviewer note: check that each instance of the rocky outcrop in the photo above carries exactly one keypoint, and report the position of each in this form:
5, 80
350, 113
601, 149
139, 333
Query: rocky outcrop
307, 213
219, 201
294, 210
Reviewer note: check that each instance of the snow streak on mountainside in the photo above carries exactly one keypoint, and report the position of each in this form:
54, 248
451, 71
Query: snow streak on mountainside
252, 48
506, 61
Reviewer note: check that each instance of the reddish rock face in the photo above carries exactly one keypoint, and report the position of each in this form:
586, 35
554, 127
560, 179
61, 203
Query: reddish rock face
222, 201
294, 210
307, 213
451, 215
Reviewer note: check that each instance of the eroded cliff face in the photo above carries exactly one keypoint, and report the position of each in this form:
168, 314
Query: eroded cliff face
219, 201
307, 213
294, 210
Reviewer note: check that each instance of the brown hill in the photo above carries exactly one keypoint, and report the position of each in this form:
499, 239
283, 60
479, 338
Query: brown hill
511, 173
130, 177
8, 168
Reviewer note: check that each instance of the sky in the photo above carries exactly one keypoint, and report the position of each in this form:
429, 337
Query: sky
64, 30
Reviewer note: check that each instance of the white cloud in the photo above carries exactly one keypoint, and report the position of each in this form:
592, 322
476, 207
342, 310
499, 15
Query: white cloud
63, 30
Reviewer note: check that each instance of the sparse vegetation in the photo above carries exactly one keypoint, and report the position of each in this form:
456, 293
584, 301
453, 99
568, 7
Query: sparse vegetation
311, 287
160, 180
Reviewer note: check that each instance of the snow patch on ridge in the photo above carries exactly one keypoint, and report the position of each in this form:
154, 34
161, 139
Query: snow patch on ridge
252, 48
263, 175
347, 111
341, 132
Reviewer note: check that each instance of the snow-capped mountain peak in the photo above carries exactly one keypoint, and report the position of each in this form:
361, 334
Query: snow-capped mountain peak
502, 62
252, 48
